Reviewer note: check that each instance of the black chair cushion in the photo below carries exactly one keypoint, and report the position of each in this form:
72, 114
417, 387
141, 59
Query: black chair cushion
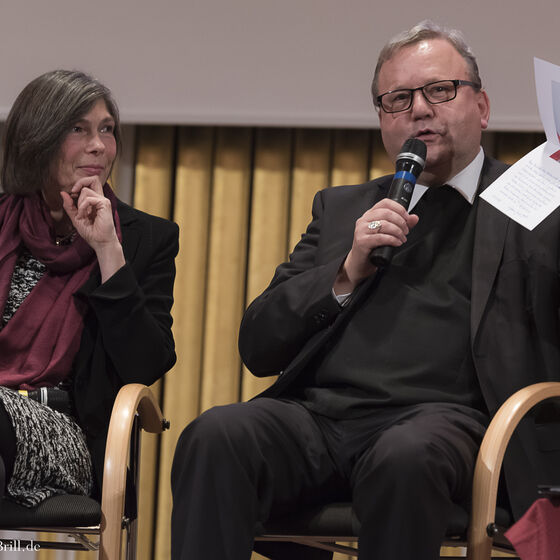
58, 511
330, 520
339, 520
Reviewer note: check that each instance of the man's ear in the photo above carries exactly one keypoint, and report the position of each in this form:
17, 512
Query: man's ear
484, 108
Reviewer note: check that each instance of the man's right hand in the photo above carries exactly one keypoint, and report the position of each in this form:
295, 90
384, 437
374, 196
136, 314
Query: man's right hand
394, 224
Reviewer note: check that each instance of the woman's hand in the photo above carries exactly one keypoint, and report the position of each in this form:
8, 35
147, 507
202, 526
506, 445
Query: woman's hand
92, 216
393, 224
90, 212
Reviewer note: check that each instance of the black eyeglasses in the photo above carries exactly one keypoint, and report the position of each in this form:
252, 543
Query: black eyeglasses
435, 92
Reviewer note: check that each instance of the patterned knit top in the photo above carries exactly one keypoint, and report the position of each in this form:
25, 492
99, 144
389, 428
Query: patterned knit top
27, 272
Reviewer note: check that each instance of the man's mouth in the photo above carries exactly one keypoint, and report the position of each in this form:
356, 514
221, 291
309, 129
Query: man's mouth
426, 134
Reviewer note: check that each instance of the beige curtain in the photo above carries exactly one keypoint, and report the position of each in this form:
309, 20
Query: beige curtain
242, 198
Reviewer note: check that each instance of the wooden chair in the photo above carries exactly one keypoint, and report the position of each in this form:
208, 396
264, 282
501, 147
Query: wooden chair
81, 517
327, 526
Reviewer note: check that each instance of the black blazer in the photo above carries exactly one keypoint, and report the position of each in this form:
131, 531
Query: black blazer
127, 334
515, 305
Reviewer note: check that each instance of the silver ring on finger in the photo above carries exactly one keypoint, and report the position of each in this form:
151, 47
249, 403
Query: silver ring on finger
375, 226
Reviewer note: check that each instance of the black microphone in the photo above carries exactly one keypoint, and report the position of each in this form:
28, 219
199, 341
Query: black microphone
409, 165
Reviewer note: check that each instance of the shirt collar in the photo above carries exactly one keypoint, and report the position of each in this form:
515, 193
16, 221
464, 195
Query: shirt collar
465, 182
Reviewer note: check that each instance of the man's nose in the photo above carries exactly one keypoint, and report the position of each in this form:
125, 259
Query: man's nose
420, 105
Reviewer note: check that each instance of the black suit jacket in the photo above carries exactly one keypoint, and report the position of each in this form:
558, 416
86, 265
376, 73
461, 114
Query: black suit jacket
127, 334
515, 306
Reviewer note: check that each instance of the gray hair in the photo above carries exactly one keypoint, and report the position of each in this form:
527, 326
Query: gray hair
39, 120
426, 30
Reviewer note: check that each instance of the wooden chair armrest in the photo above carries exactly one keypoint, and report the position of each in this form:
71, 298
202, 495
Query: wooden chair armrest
489, 462
132, 399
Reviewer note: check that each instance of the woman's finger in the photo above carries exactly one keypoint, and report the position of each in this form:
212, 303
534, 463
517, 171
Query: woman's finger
68, 205
91, 182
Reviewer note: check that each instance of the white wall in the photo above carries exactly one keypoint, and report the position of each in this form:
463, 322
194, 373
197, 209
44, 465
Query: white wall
265, 62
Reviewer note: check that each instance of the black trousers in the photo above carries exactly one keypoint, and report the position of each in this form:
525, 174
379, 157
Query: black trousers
403, 467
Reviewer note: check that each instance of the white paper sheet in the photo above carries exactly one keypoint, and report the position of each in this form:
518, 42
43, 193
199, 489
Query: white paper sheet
530, 190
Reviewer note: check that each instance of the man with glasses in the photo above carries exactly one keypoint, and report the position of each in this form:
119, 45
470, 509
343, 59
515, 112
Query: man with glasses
387, 377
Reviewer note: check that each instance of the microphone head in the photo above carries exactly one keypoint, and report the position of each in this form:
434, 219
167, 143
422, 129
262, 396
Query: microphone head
414, 149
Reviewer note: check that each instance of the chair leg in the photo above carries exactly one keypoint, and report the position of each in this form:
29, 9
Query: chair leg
132, 535
110, 542
135, 407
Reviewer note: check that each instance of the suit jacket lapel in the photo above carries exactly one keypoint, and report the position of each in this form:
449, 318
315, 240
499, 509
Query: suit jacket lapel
490, 235
130, 231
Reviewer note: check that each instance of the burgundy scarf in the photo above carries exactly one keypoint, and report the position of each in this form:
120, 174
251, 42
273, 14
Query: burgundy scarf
39, 343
